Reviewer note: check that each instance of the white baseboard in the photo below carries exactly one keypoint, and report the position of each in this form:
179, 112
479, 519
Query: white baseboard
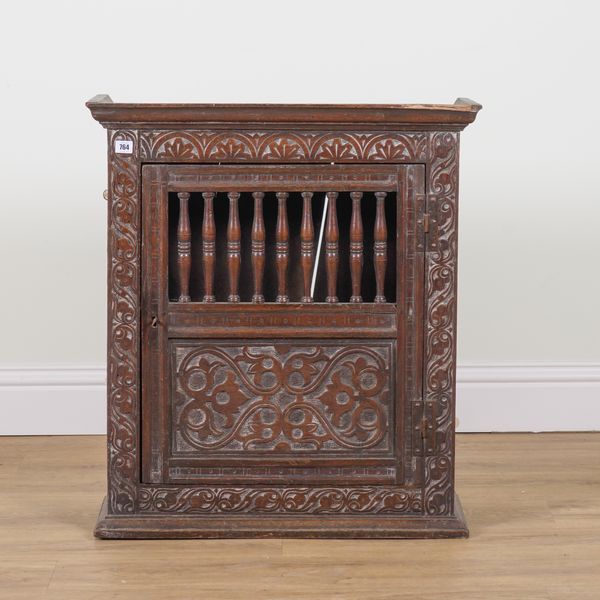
52, 400
525, 397
528, 397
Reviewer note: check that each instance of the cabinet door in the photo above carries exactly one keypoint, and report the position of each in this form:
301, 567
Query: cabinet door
282, 324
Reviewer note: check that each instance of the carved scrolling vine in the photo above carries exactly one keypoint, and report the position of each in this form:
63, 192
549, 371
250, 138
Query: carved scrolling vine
123, 365
302, 500
279, 397
282, 146
440, 324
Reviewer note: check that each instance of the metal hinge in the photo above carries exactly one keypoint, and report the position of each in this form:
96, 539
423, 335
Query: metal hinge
427, 437
427, 234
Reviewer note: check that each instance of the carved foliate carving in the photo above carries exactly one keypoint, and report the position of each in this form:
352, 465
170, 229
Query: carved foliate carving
282, 397
286, 500
440, 312
123, 331
282, 146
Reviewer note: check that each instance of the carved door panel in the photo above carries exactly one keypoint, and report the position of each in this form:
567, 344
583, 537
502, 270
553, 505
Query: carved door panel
282, 324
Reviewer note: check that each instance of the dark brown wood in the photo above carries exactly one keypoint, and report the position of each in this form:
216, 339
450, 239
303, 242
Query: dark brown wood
234, 236
281, 418
226, 320
179, 526
184, 247
332, 257
209, 236
258, 247
317, 178
380, 246
282, 247
356, 247
403, 116
307, 240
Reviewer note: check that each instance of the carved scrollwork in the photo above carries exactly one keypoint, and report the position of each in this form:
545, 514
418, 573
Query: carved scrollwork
277, 397
123, 328
282, 146
440, 326
284, 500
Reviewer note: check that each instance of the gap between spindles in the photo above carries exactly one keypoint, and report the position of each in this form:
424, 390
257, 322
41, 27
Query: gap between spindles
320, 242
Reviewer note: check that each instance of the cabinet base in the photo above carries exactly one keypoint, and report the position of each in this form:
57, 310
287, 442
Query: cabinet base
143, 526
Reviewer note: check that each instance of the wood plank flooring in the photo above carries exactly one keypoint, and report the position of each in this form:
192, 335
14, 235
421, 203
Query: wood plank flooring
532, 502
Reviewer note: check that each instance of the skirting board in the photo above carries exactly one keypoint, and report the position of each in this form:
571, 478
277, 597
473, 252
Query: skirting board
526, 397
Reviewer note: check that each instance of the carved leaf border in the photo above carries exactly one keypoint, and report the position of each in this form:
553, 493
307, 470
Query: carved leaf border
282, 146
123, 330
302, 500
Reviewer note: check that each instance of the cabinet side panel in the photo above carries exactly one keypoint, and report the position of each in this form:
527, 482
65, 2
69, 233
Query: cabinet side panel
123, 326
440, 323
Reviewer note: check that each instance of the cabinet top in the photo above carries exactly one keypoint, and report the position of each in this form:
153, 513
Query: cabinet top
406, 116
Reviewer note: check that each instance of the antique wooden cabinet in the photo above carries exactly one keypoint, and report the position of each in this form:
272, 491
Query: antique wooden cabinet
281, 319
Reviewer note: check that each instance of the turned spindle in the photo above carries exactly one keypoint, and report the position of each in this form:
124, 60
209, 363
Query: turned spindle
307, 237
184, 247
234, 236
209, 234
282, 235
332, 258
380, 246
258, 248
356, 247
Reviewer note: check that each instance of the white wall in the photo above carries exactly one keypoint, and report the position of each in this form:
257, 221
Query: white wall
529, 283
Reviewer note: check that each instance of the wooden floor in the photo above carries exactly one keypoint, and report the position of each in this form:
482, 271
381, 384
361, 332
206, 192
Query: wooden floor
532, 503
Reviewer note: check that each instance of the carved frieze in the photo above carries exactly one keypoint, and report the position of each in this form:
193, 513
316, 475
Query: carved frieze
283, 500
281, 146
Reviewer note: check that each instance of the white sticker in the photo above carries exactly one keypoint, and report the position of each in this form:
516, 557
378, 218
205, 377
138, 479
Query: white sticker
123, 146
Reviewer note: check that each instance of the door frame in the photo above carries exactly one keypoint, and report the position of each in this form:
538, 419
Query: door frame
157, 181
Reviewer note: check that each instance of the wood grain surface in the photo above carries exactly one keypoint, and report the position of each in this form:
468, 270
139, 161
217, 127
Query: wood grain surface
532, 502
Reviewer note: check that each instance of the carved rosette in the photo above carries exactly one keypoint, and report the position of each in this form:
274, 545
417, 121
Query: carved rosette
302, 500
440, 316
123, 327
282, 146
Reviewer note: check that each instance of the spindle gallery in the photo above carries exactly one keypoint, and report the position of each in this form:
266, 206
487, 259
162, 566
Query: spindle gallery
282, 320
255, 259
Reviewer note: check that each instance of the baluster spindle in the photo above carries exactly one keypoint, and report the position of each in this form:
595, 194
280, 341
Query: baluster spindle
380, 246
258, 247
332, 236
356, 247
209, 234
184, 247
307, 237
282, 235
234, 236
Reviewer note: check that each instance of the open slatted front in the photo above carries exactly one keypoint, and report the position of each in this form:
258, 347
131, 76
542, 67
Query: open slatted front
314, 246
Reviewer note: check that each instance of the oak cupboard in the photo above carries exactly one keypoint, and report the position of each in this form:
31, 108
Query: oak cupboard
281, 319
